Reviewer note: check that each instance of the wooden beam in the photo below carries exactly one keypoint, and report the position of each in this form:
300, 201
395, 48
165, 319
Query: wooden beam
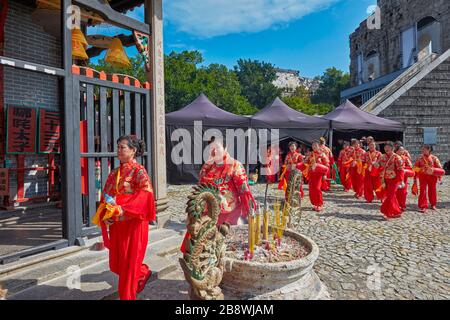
116, 18
101, 43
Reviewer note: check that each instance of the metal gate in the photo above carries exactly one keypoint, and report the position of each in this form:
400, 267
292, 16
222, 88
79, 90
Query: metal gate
106, 110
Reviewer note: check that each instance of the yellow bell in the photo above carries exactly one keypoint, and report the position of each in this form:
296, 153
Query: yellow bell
116, 55
78, 51
78, 36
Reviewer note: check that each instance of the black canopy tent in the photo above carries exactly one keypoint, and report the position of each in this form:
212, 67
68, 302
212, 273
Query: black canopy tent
194, 120
292, 124
348, 121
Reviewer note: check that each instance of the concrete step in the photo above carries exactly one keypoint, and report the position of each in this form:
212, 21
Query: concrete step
97, 282
25, 280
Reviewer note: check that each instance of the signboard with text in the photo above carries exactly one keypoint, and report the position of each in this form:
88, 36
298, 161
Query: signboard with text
49, 132
21, 130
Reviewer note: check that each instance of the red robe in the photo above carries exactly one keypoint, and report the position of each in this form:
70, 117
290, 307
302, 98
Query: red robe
392, 174
372, 179
427, 182
128, 239
272, 166
315, 177
357, 171
402, 193
344, 168
231, 179
326, 184
292, 159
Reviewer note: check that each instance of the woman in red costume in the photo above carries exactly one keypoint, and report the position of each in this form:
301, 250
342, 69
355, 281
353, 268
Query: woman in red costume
317, 165
428, 169
356, 168
402, 193
229, 176
128, 196
271, 164
293, 158
372, 180
391, 168
344, 162
326, 184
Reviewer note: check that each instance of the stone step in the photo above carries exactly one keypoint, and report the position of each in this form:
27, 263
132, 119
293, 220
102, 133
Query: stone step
97, 282
160, 242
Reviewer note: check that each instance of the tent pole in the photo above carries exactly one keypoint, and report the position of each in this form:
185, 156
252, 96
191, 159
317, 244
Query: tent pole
330, 142
248, 150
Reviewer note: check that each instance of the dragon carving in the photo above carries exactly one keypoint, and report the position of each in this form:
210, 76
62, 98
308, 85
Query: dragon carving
293, 198
202, 262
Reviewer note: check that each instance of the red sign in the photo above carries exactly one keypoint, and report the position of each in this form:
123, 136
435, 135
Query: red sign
4, 182
21, 130
49, 132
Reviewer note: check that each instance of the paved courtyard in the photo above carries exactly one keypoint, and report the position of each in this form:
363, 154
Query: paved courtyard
362, 256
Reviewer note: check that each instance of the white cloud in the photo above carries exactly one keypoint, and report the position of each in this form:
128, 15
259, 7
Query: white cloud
210, 18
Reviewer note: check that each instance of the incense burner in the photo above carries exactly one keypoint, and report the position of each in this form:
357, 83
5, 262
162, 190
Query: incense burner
291, 279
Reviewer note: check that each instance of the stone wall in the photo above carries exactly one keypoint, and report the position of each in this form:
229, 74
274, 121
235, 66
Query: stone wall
427, 104
396, 16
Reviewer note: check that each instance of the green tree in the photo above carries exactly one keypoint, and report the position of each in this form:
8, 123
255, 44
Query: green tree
301, 101
181, 87
256, 80
333, 81
222, 87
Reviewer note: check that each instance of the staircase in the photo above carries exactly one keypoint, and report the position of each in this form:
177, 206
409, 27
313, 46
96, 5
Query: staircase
399, 82
50, 276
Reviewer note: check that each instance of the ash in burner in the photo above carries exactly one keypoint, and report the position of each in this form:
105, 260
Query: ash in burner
271, 251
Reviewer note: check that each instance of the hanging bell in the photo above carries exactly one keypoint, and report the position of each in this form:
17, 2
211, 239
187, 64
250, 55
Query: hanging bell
116, 55
79, 45
79, 51
78, 36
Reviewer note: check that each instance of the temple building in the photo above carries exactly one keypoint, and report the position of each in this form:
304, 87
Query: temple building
400, 69
60, 119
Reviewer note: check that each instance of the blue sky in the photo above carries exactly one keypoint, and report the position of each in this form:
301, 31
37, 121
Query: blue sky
305, 35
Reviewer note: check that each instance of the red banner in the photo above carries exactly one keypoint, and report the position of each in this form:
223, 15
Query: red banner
21, 130
4, 182
49, 132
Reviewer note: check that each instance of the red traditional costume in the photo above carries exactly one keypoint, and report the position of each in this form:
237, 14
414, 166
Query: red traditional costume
372, 179
344, 162
271, 165
357, 170
292, 159
402, 193
128, 235
316, 175
231, 179
428, 169
392, 174
326, 184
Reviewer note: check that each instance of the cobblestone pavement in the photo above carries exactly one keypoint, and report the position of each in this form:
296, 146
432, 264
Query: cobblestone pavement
363, 256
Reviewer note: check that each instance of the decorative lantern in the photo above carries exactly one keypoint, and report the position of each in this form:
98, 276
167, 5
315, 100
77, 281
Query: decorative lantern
79, 45
116, 55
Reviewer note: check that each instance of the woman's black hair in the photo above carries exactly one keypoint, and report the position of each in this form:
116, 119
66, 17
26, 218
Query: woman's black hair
390, 144
293, 143
429, 147
135, 143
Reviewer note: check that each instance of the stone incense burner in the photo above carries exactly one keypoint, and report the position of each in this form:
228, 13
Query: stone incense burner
292, 279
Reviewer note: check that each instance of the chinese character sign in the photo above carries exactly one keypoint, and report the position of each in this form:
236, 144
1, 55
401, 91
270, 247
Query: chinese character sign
21, 130
4, 182
49, 132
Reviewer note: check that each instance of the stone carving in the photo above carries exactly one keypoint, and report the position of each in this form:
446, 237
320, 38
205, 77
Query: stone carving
202, 262
293, 198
